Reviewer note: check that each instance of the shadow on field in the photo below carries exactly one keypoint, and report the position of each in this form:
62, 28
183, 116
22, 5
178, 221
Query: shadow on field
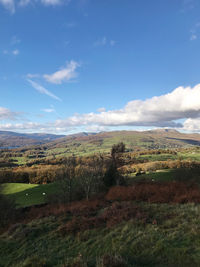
187, 141
169, 175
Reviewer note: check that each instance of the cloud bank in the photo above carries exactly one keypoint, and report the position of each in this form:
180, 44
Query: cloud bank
183, 103
162, 111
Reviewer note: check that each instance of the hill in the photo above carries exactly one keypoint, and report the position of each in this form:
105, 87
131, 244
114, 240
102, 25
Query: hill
83, 144
12, 139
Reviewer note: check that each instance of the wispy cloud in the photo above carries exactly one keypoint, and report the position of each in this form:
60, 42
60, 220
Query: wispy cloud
31, 76
23, 3
49, 110
112, 42
101, 42
187, 5
104, 41
12, 4
64, 74
194, 32
52, 2
9, 5
193, 37
70, 24
42, 90
15, 40
101, 109
15, 52
7, 114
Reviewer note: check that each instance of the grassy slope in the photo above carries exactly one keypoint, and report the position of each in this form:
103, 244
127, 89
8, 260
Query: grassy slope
173, 241
29, 194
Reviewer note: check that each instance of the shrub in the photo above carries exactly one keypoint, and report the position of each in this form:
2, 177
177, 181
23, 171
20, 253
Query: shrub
169, 192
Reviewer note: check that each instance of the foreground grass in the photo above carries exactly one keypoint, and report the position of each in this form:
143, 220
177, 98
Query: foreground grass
174, 240
29, 194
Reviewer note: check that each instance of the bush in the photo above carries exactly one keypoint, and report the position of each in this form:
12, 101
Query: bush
169, 192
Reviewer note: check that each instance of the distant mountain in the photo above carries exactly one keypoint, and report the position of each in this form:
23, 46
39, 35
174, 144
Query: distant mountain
12, 139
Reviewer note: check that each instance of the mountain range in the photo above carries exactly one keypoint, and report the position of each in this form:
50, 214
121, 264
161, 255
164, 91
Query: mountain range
159, 138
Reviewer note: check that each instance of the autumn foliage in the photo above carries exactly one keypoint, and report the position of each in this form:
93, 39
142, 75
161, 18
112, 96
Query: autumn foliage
169, 192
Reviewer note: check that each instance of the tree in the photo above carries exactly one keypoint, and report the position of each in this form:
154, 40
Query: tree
89, 175
69, 177
110, 177
118, 148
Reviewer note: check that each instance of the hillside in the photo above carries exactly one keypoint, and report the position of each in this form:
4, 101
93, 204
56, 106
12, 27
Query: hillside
12, 139
87, 212
84, 144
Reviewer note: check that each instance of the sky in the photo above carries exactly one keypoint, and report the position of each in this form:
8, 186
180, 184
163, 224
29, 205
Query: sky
70, 66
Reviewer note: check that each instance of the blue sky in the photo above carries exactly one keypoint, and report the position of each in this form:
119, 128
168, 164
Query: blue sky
91, 65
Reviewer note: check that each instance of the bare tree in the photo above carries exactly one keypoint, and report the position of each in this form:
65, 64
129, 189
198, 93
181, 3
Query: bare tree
90, 175
69, 177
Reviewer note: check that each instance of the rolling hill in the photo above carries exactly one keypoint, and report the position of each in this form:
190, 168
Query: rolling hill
12, 139
89, 143
82, 144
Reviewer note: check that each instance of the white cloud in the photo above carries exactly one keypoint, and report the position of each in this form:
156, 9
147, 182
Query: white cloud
15, 40
31, 76
101, 42
48, 110
42, 90
70, 24
24, 2
193, 37
192, 125
112, 42
12, 4
195, 31
15, 52
63, 75
20, 126
6, 114
182, 104
101, 109
9, 5
187, 5
104, 41
163, 111
51, 2
28, 127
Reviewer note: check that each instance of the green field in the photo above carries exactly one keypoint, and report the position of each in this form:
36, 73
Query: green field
32, 194
29, 194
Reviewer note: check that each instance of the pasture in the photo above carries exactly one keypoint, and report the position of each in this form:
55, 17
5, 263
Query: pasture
29, 194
